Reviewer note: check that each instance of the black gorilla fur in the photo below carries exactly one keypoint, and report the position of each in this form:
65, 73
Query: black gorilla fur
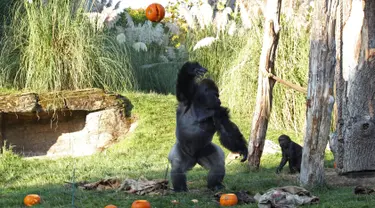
292, 153
199, 116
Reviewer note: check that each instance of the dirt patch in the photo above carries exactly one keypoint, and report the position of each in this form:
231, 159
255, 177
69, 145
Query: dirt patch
334, 179
354, 179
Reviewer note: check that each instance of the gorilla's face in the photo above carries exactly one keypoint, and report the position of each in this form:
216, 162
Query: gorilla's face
284, 142
208, 94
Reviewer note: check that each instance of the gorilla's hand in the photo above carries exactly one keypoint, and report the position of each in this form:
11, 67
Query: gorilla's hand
197, 71
222, 114
244, 153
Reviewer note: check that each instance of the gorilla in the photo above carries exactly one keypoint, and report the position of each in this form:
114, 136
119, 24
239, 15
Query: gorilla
199, 115
292, 153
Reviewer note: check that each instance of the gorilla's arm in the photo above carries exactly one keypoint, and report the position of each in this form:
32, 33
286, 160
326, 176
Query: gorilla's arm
186, 86
229, 134
283, 161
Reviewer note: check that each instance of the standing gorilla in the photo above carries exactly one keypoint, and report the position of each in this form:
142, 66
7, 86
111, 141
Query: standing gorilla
199, 116
292, 152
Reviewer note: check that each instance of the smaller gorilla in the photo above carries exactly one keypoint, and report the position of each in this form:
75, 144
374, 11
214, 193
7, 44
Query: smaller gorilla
292, 152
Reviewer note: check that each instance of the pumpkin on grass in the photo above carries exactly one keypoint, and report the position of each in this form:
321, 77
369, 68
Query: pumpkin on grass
141, 204
110, 206
31, 199
155, 12
228, 199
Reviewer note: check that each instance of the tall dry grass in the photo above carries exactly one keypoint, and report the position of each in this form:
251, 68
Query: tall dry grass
233, 60
51, 45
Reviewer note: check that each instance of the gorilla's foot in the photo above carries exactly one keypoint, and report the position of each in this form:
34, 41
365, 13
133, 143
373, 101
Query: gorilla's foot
216, 187
180, 190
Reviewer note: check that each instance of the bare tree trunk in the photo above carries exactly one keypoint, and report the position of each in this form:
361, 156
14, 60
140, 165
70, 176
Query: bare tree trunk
1, 132
265, 83
356, 89
320, 98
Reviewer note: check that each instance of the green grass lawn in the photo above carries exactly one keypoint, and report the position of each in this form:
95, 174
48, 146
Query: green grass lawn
144, 153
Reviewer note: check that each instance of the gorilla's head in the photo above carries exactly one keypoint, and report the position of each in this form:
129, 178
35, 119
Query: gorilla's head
284, 141
207, 94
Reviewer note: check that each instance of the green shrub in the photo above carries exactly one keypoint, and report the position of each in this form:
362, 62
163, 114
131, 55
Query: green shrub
10, 164
5, 7
138, 16
154, 57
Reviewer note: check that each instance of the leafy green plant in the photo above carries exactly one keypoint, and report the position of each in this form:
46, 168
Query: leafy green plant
10, 164
138, 16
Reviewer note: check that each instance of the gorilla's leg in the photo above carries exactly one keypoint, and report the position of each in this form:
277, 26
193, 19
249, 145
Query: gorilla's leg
180, 164
212, 158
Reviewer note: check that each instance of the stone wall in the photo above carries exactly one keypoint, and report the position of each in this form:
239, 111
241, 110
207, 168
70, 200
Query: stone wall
84, 122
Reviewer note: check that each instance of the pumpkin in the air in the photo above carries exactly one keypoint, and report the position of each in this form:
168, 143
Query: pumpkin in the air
228, 199
110, 206
141, 204
155, 12
31, 199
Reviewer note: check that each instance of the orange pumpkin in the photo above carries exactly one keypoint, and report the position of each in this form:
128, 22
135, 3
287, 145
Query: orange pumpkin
155, 12
141, 204
228, 200
110, 206
31, 199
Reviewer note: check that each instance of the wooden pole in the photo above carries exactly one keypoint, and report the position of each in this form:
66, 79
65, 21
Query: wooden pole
287, 83
1, 132
265, 83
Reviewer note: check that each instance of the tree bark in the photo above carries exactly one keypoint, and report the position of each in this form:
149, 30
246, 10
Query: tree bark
356, 89
265, 84
320, 98
1, 132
